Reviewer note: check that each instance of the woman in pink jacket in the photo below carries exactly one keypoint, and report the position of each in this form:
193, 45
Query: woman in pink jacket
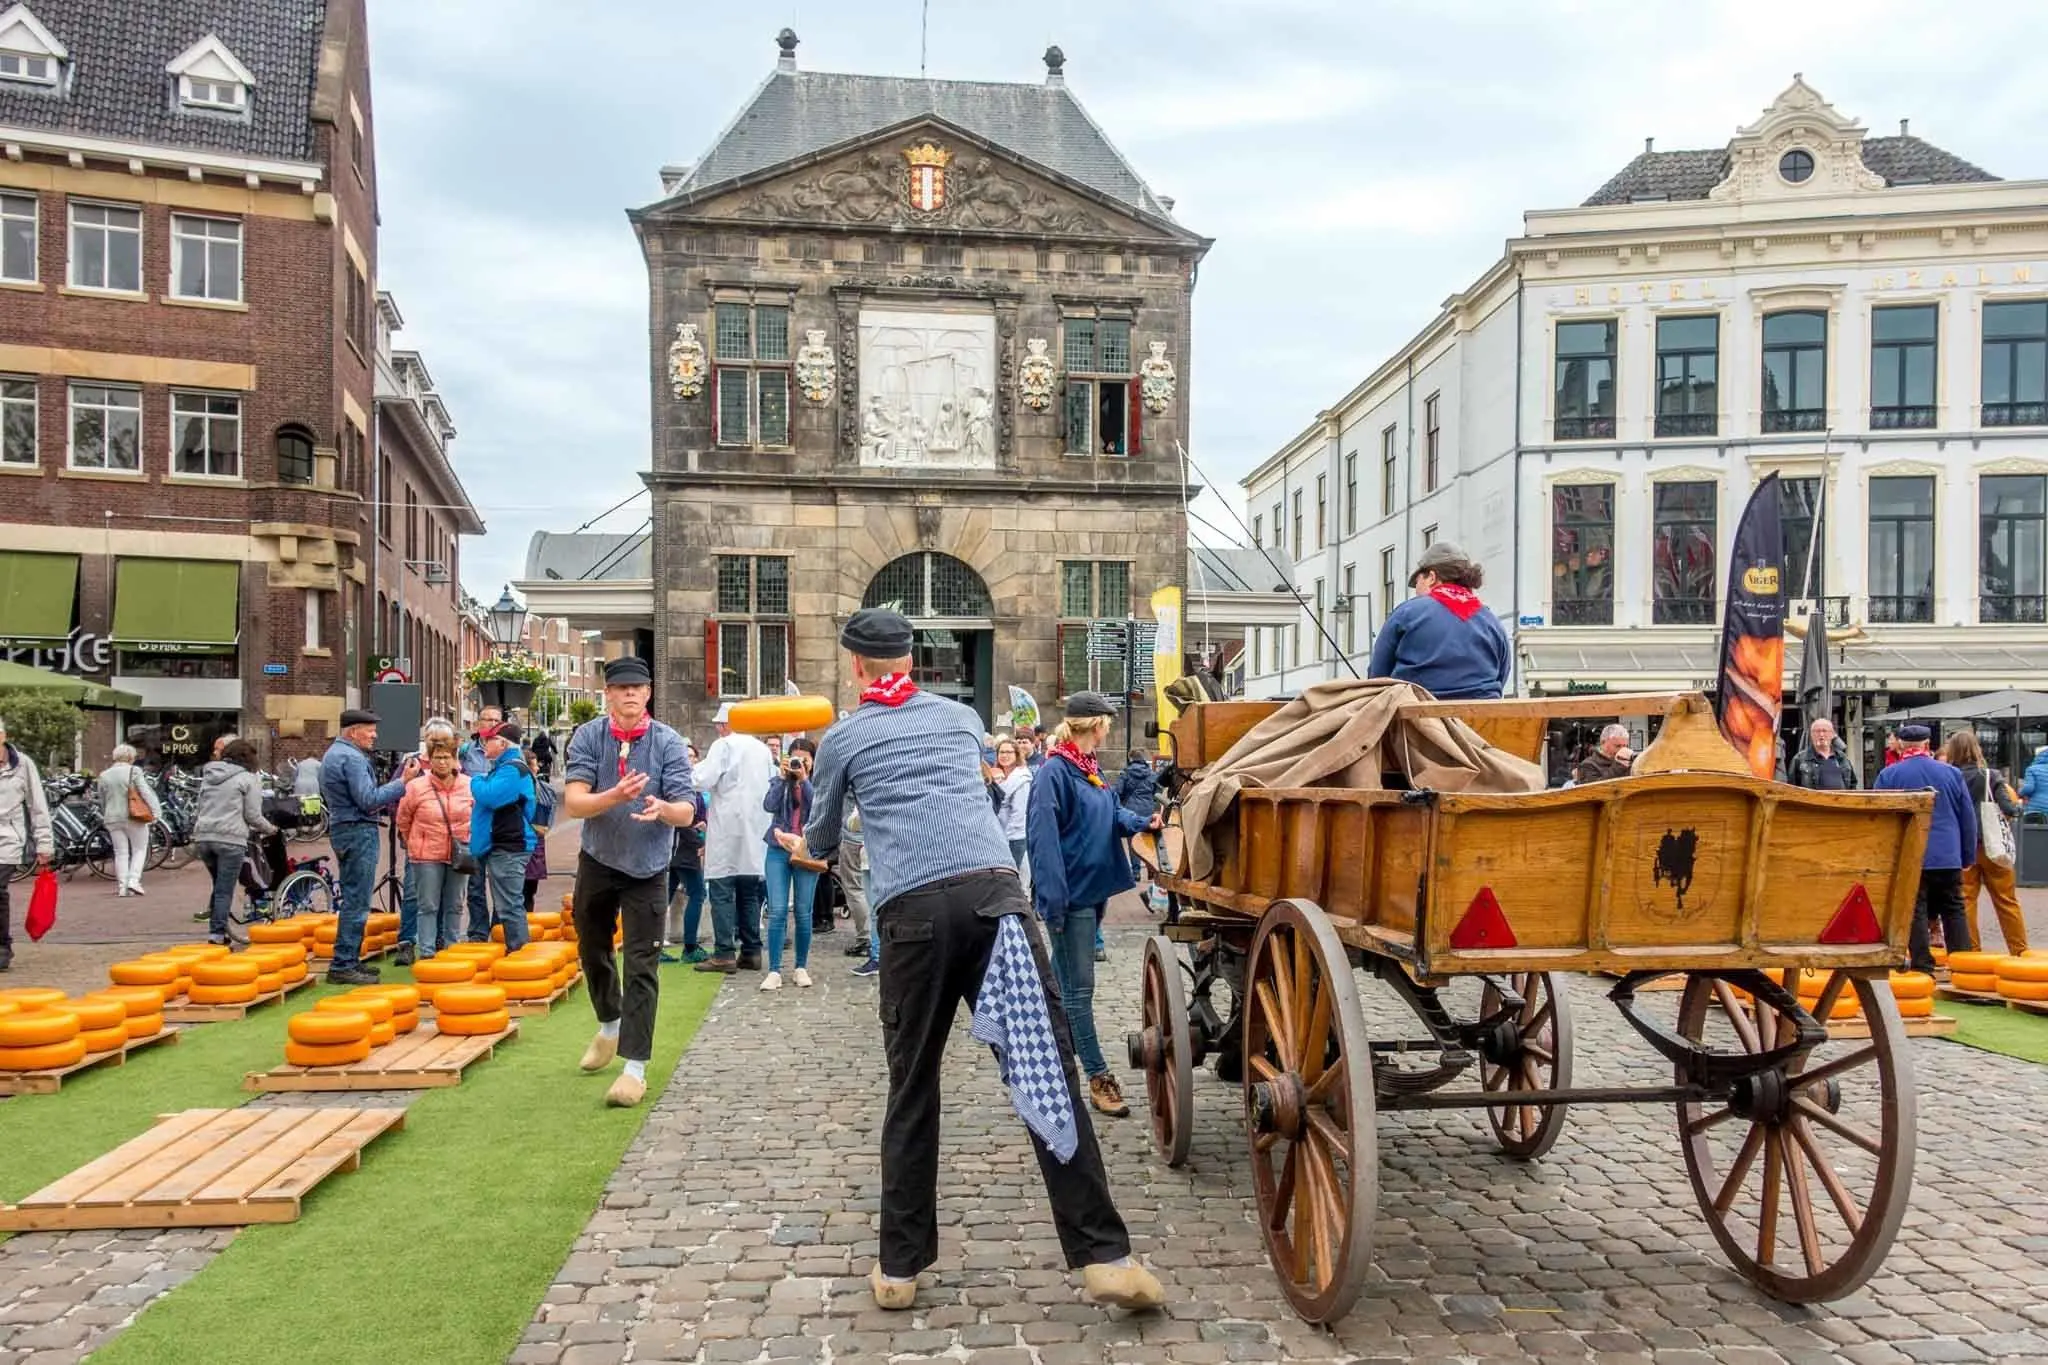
433, 819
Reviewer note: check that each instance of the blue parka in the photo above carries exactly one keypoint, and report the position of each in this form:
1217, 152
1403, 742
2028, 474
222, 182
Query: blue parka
1071, 836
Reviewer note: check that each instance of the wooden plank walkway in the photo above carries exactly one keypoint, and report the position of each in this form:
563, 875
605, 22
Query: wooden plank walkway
51, 1081
185, 1012
421, 1060
207, 1168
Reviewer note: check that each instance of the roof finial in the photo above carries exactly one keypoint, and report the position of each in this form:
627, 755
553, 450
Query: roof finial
1649, 145
786, 41
1055, 66
1903, 124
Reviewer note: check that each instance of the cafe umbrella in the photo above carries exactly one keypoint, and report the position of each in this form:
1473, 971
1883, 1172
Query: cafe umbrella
94, 696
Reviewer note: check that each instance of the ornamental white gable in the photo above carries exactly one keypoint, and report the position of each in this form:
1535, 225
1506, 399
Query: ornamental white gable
28, 51
1801, 146
210, 76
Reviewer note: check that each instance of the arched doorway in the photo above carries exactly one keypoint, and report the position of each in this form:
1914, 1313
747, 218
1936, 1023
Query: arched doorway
953, 614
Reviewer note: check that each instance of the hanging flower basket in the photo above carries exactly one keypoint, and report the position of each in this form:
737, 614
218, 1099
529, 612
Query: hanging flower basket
506, 682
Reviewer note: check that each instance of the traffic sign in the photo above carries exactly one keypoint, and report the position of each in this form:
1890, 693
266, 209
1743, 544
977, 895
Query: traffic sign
391, 675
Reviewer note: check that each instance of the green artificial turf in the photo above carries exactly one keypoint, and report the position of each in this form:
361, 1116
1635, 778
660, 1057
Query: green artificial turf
442, 1245
1994, 1028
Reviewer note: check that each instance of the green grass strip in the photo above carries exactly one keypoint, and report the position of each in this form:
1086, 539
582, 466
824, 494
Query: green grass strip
442, 1245
1994, 1028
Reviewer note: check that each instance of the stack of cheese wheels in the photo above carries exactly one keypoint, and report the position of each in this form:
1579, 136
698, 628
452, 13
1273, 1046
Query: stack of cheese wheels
380, 1008
381, 932
2023, 978
159, 974
1973, 972
332, 1033
144, 1004
545, 925
225, 981
267, 932
470, 1010
479, 956
445, 968
568, 917
1808, 987
1914, 994
528, 974
103, 1024
325, 927
405, 1004
36, 1035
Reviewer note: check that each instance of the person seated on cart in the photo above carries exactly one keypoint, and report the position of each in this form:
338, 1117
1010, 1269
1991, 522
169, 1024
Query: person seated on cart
1443, 639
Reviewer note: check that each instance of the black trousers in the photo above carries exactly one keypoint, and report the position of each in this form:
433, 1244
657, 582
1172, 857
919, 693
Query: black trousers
605, 898
936, 943
1941, 897
6, 909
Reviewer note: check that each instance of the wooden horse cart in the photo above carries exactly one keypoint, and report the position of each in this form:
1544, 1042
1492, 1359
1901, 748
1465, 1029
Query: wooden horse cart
1471, 908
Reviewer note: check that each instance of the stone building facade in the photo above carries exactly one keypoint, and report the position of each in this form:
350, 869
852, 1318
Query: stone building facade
913, 342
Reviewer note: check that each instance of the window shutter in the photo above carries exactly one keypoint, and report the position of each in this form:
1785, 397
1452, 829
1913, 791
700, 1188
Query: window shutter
1136, 409
710, 656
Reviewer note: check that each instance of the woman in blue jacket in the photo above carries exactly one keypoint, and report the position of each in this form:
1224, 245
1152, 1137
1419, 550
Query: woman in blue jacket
792, 888
1074, 839
1443, 639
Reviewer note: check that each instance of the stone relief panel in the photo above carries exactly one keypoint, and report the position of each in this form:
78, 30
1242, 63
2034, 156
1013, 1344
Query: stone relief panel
927, 389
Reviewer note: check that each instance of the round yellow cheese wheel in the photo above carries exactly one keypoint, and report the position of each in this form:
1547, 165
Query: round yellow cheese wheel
493, 1021
522, 966
1920, 1007
433, 971
226, 971
378, 1007
277, 931
1984, 983
293, 973
144, 1026
1912, 986
528, 990
780, 715
98, 1014
46, 1057
327, 1027
335, 1054
2011, 990
270, 983
468, 1000
135, 999
2023, 969
403, 998
406, 1022
547, 919
38, 1027
106, 1039
35, 997
1974, 963
380, 1034
141, 973
222, 995
202, 950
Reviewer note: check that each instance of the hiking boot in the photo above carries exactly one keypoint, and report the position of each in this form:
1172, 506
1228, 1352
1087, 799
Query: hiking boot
1122, 1285
694, 955
407, 955
892, 1295
1108, 1097
626, 1092
599, 1054
351, 976
749, 962
724, 965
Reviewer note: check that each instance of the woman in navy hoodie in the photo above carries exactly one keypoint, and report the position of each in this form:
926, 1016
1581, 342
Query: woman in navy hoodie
1074, 839
1444, 639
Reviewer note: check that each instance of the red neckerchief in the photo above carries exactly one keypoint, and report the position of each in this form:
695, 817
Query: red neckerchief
891, 689
1090, 769
626, 738
1462, 602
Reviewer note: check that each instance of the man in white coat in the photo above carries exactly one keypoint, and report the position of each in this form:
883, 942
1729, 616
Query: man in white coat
734, 779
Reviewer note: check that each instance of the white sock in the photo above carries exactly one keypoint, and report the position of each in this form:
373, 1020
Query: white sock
608, 1030
887, 1278
637, 1070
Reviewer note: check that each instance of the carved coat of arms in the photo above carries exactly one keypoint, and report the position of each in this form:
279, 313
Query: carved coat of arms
686, 361
1156, 379
815, 367
1035, 376
928, 162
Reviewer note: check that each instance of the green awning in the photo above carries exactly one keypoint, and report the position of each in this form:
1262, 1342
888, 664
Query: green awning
37, 595
22, 678
176, 605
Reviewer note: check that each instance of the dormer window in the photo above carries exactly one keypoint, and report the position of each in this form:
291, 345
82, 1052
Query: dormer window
211, 78
29, 53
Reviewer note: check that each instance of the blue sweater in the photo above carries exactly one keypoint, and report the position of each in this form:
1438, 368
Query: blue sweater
506, 785
1071, 838
1953, 840
1424, 642
2034, 784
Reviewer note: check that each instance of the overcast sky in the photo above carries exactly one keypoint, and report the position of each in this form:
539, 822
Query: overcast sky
1355, 160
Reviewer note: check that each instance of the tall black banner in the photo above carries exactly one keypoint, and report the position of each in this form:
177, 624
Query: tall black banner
1750, 691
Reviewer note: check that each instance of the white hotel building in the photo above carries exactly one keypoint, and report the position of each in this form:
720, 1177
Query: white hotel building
1590, 415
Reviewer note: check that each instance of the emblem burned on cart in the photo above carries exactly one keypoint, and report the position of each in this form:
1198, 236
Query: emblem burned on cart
1675, 853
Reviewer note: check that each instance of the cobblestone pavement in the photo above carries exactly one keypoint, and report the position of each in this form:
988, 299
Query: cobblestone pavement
741, 1224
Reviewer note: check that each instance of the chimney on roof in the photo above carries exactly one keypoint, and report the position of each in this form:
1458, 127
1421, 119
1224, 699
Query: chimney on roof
785, 41
1649, 145
1903, 127
1055, 67
672, 176
1166, 202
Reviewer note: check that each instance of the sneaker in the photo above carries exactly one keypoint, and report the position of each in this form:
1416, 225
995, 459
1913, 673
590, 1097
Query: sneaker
859, 949
202, 917
892, 1295
626, 1092
1124, 1284
351, 976
671, 957
407, 955
773, 982
695, 955
599, 1054
868, 968
1102, 954
120, 891
723, 965
221, 941
1108, 1096
134, 890
749, 962
803, 978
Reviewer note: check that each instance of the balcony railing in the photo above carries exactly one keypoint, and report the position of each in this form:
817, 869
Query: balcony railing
1583, 611
1902, 610
1795, 419
2020, 610
1912, 417
1835, 609
1585, 428
1682, 611
1687, 423
2016, 414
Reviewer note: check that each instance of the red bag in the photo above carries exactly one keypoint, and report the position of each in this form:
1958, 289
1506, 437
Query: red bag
42, 905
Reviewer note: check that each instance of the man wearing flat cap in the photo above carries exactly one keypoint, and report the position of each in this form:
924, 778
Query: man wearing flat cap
355, 806
955, 926
1951, 843
627, 778
1443, 639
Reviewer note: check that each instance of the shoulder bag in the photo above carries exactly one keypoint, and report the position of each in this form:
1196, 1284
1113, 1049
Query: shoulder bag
138, 804
1994, 835
460, 859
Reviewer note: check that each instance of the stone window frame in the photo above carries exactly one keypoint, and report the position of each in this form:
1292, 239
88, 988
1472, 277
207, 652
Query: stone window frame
1075, 627
11, 211
198, 405
200, 232
13, 400
108, 231
750, 623
754, 368
1124, 311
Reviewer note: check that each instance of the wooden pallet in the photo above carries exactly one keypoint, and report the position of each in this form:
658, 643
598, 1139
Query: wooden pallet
421, 1060
1933, 1026
185, 1012
49, 1082
523, 1009
1947, 992
316, 964
207, 1168
2034, 1007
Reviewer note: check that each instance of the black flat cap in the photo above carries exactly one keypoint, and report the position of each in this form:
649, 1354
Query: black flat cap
877, 633
356, 716
1914, 733
1081, 705
510, 732
629, 671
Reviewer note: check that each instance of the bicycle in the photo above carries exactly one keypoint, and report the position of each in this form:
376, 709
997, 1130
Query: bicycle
309, 887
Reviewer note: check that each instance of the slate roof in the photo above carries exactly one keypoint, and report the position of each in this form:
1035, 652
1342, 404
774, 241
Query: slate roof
1233, 568
1691, 174
552, 554
796, 113
115, 85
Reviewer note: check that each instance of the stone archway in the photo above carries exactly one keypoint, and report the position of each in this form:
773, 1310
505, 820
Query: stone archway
950, 607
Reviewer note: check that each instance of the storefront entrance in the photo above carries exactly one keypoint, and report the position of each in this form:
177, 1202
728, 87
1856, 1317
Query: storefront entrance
950, 607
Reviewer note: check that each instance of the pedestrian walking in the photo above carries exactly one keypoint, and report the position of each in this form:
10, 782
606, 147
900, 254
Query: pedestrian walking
437, 730
1820, 765
791, 887
128, 807
536, 870
627, 778
1966, 756
735, 776
1443, 639
1137, 791
433, 820
25, 832
501, 835
685, 921
955, 927
543, 747
1951, 843
229, 813
355, 805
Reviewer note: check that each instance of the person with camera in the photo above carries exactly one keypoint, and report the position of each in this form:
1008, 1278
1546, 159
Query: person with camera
792, 886
501, 836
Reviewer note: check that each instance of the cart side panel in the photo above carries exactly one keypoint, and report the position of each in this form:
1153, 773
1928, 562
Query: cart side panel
1540, 865
1680, 868
1814, 858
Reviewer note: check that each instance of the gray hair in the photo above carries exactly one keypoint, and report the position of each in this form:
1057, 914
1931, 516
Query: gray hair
123, 753
1614, 731
1820, 720
438, 725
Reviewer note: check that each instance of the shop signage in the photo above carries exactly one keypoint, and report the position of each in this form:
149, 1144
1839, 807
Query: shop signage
276, 670
181, 742
1576, 688
82, 653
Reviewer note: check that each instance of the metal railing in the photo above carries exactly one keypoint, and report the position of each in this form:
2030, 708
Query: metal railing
2016, 414
1916, 610
1795, 419
1688, 423
1585, 428
2018, 608
1907, 418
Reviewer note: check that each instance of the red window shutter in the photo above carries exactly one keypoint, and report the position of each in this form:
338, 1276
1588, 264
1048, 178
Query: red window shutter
1135, 407
710, 657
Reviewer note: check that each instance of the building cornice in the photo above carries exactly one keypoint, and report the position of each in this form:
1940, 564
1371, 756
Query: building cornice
184, 160
902, 483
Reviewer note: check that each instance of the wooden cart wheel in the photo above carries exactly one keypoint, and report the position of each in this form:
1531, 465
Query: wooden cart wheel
1163, 1048
1527, 1131
1309, 1108
1827, 1149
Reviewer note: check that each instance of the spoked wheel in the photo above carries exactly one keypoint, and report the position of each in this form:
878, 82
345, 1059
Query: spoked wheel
1543, 1061
1803, 1177
1163, 1048
1309, 1108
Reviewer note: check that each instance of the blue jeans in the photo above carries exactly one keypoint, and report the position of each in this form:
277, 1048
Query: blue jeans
224, 861
735, 915
791, 889
692, 880
1073, 964
441, 890
506, 872
355, 848
408, 902
867, 888
479, 930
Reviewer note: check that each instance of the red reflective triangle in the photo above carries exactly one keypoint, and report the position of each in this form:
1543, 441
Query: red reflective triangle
1483, 926
1855, 922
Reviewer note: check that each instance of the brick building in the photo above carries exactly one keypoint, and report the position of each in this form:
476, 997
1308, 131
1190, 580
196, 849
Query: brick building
188, 347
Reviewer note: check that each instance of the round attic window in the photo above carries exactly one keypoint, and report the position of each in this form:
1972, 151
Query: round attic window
1796, 166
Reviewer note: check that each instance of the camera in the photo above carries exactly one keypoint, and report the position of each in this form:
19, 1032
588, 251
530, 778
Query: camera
795, 765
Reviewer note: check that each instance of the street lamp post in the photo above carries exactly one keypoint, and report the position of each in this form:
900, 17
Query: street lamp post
506, 623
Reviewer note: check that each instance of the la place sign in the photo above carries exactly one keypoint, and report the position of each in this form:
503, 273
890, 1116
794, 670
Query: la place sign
80, 654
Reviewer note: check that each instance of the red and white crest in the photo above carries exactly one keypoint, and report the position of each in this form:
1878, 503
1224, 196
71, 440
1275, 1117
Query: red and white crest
928, 163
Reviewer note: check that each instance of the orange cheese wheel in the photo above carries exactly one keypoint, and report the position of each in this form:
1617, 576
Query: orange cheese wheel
406, 1022
9, 1007
2023, 969
498, 934
35, 997
1985, 983
1912, 986
135, 999
226, 971
325, 1028
528, 990
1974, 963
294, 973
222, 995
1920, 1007
468, 1000
560, 979
333, 1054
143, 973
98, 1014
380, 1034
325, 935
378, 1007
288, 953
270, 983
144, 1026
2011, 990
46, 1057
201, 950
522, 966
433, 971
277, 931
404, 999
38, 1027
781, 715
383, 920
2035, 952
472, 1025
547, 919
106, 1039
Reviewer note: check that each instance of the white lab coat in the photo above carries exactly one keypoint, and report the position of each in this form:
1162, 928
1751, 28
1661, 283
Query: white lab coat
735, 774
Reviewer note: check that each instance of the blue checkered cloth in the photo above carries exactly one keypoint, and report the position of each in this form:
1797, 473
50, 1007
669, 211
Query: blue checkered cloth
1011, 1017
